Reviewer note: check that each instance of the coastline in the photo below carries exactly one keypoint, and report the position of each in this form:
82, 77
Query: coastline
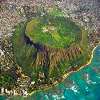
66, 74
81, 67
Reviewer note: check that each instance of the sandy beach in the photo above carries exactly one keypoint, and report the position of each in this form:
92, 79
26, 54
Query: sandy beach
67, 74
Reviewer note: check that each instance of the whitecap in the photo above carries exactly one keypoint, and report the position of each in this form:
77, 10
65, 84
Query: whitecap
55, 97
74, 88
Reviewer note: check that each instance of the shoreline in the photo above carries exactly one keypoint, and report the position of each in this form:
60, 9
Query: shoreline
81, 67
67, 74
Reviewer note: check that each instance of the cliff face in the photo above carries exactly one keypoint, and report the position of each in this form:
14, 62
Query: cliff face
48, 58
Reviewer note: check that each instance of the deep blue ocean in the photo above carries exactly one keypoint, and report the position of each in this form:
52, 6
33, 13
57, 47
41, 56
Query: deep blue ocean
81, 85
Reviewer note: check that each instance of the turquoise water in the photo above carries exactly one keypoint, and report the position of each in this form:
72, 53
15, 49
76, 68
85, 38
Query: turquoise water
81, 85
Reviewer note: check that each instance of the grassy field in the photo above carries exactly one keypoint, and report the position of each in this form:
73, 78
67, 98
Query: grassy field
56, 32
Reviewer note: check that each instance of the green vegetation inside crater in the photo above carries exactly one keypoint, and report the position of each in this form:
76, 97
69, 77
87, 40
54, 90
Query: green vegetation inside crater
68, 43
56, 32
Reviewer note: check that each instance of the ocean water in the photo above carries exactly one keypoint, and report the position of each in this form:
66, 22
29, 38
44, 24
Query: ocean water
81, 85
